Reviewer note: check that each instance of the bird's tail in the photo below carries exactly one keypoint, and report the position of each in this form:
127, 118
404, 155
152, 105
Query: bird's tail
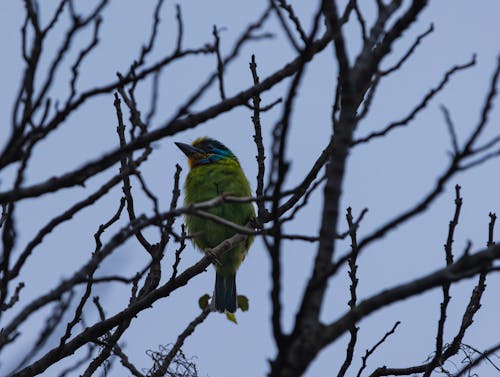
225, 292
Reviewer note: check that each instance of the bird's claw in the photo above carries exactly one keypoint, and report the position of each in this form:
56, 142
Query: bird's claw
213, 257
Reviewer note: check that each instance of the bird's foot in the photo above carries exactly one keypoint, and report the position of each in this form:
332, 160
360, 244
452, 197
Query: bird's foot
213, 257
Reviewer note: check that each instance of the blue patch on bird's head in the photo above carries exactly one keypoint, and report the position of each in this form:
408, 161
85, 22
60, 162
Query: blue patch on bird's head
213, 151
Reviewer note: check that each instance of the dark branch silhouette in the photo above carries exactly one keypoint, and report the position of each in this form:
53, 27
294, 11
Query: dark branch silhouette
85, 343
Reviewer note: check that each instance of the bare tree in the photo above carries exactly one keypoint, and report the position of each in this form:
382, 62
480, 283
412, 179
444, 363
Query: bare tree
88, 345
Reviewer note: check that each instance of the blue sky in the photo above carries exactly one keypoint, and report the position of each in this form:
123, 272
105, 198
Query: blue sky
387, 176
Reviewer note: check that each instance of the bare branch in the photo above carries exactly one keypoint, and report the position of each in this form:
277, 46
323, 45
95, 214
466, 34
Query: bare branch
451, 129
88, 289
486, 109
409, 53
220, 64
295, 20
161, 369
180, 27
102, 327
370, 351
259, 191
483, 356
285, 27
80, 175
353, 268
422, 105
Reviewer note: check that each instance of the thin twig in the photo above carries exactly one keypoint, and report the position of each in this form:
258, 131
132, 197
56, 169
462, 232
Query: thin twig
353, 268
259, 191
165, 363
220, 64
451, 129
370, 351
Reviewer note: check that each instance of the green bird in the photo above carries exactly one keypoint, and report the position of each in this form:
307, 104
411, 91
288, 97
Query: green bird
215, 170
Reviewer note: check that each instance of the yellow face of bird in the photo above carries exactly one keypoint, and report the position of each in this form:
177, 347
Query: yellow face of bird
199, 154
205, 151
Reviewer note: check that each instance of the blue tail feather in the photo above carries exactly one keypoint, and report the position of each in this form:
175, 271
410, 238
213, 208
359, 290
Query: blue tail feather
225, 293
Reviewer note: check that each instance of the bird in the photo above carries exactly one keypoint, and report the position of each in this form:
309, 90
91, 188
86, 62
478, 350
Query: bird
214, 171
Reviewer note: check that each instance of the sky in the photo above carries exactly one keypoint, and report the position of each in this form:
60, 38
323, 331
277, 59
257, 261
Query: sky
386, 176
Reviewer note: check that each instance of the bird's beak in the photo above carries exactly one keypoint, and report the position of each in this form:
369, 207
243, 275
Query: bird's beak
189, 150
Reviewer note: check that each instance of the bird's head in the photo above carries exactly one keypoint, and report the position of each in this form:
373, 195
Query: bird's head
205, 151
